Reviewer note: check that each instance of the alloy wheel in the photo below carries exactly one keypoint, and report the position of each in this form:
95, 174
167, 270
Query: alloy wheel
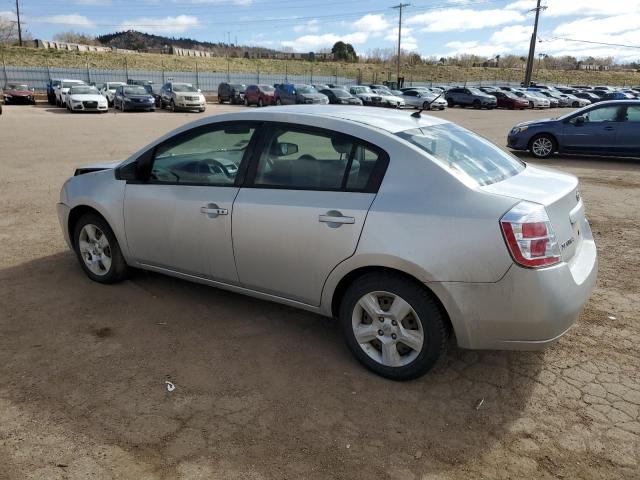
387, 329
95, 249
542, 147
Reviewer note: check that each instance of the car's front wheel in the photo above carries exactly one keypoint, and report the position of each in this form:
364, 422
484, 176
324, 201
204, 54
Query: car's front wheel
260, 104
393, 326
97, 250
542, 146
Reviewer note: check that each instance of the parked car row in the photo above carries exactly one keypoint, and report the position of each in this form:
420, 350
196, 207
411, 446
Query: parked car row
77, 96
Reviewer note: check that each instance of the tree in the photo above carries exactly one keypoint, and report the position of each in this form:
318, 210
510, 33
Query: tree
344, 51
8, 31
73, 37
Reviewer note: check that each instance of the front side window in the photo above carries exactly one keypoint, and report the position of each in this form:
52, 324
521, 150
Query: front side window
209, 156
315, 160
633, 114
465, 153
604, 114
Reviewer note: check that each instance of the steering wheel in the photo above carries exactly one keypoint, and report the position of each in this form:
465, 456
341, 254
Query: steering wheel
216, 166
163, 170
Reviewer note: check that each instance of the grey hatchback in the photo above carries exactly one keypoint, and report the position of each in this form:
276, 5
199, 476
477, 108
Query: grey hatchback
394, 223
470, 97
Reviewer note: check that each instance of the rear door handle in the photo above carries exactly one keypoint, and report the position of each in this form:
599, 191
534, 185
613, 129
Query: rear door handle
212, 210
335, 218
608, 128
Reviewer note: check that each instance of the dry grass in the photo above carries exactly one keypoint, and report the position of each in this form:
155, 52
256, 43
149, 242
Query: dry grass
366, 72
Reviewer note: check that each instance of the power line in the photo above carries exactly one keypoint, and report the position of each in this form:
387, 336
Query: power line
594, 43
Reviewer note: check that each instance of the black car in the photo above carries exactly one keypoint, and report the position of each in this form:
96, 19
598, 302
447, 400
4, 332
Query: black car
231, 92
133, 97
340, 96
588, 96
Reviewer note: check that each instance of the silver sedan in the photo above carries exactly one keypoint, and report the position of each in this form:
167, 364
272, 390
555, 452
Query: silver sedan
407, 228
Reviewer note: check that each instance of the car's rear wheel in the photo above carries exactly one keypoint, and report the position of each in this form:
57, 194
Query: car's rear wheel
393, 326
172, 106
97, 250
576, 104
542, 146
278, 102
260, 104
450, 103
477, 104
426, 106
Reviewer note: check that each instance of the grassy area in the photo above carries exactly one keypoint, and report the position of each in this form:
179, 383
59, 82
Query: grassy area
368, 73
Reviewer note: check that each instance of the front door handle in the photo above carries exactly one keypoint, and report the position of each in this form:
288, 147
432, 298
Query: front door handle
212, 210
608, 128
335, 218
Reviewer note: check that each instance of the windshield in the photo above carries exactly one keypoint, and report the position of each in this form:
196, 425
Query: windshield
114, 85
17, 86
83, 91
362, 90
184, 87
305, 89
267, 88
70, 84
465, 153
135, 90
338, 92
475, 91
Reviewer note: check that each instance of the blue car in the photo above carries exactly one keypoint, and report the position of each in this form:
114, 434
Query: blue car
607, 128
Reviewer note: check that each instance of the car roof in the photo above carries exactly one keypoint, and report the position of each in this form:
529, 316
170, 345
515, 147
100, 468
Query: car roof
392, 121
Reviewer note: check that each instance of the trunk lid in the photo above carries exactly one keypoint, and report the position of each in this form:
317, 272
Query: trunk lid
559, 194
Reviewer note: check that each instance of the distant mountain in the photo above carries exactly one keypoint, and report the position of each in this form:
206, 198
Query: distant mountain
133, 40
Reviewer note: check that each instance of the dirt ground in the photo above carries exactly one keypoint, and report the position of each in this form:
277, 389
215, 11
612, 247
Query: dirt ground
264, 391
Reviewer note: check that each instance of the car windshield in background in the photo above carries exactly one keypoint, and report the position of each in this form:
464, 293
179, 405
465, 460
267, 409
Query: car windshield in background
185, 88
113, 86
305, 89
83, 91
70, 84
465, 153
239, 87
338, 92
267, 88
362, 90
136, 90
17, 86
475, 91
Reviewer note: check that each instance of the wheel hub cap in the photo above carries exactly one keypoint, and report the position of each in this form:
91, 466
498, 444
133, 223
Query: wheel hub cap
95, 249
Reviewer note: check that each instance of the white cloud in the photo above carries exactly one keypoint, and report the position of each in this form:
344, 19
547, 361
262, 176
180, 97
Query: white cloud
312, 42
311, 26
409, 42
599, 26
178, 24
461, 19
72, 20
8, 15
558, 8
372, 24
514, 34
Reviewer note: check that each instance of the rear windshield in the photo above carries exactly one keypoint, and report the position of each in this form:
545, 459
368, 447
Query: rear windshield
465, 153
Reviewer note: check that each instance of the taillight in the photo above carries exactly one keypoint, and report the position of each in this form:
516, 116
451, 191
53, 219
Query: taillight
530, 236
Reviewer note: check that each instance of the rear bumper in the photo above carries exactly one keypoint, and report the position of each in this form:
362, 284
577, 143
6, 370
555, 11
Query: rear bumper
527, 309
63, 218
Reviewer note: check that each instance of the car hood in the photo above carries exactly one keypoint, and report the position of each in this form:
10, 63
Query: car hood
142, 97
541, 121
18, 93
190, 94
87, 97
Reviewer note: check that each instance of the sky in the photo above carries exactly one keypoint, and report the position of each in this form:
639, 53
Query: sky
430, 27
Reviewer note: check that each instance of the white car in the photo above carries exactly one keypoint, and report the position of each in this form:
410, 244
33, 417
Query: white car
108, 90
83, 98
389, 99
62, 89
535, 101
423, 98
574, 101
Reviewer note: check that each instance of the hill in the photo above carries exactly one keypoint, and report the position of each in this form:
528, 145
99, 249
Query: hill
368, 73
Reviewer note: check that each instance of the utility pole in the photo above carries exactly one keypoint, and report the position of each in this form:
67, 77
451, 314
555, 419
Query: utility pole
19, 26
532, 47
400, 6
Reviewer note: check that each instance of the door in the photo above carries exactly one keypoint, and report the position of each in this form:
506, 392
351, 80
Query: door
179, 216
628, 136
596, 134
303, 208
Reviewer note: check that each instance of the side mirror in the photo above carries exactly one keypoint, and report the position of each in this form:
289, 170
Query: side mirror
284, 149
199, 91
578, 121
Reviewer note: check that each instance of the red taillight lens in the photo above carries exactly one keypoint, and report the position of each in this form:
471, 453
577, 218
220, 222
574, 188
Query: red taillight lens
530, 236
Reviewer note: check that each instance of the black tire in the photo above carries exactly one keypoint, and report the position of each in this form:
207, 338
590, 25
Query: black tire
431, 318
477, 104
542, 137
260, 104
450, 103
172, 105
219, 99
531, 105
426, 106
278, 101
118, 269
575, 104
201, 110
246, 102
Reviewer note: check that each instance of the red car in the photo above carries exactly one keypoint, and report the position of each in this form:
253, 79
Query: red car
18, 93
259, 95
509, 100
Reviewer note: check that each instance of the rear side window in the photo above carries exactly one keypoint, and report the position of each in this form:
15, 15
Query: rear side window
633, 114
317, 160
465, 153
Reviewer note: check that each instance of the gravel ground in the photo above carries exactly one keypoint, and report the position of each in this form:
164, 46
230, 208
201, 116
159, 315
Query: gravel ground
264, 391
